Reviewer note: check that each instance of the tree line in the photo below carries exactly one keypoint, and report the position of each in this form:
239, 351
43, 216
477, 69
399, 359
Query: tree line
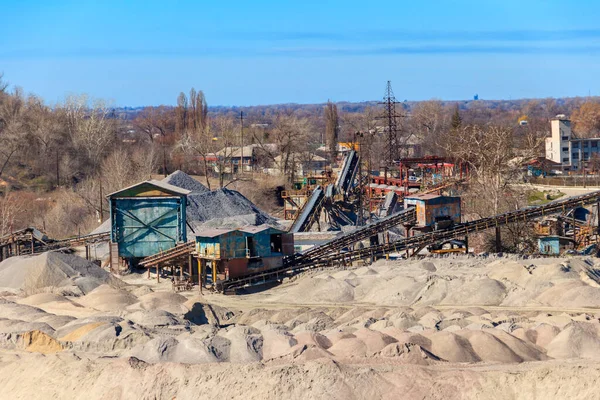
69, 155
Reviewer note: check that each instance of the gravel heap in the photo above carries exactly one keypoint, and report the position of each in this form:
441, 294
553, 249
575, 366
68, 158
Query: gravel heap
224, 208
184, 181
53, 272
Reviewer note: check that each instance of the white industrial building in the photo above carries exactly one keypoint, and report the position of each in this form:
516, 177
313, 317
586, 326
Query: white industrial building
563, 148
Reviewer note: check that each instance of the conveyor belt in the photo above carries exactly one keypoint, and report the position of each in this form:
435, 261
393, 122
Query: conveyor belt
362, 233
348, 173
300, 263
70, 242
172, 253
310, 212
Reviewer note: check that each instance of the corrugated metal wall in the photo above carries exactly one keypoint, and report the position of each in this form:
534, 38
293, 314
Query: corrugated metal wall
146, 226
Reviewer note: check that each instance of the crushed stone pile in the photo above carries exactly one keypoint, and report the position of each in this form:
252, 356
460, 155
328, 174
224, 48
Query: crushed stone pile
53, 272
224, 208
184, 181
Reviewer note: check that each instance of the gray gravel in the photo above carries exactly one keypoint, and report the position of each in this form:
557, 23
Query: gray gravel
184, 181
225, 204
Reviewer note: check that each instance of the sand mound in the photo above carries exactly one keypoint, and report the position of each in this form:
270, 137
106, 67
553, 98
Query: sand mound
43, 298
578, 339
155, 318
410, 353
488, 347
166, 301
80, 332
162, 349
320, 291
452, 347
12, 326
39, 342
347, 347
56, 272
427, 266
545, 334
481, 292
374, 341
242, 344
107, 298
12, 310
276, 343
305, 353
313, 339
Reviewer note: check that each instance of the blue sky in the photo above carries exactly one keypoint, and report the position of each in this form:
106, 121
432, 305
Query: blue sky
263, 52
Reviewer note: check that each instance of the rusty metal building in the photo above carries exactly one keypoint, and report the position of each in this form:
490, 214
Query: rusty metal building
230, 253
435, 211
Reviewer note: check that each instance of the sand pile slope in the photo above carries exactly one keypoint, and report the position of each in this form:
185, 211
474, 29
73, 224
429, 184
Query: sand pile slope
442, 328
453, 282
130, 378
53, 272
107, 298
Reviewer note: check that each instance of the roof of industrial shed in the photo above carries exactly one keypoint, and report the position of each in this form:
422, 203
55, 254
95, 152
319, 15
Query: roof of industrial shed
171, 189
424, 196
251, 229
213, 232
257, 229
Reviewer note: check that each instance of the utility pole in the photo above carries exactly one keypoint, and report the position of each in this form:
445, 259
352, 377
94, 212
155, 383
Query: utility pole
101, 203
242, 141
360, 179
57, 170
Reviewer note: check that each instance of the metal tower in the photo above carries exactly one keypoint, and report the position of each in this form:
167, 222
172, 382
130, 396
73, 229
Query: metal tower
392, 152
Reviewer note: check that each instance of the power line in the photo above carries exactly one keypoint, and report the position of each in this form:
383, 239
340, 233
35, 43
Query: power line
390, 117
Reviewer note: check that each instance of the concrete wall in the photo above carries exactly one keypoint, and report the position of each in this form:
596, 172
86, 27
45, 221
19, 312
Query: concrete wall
558, 148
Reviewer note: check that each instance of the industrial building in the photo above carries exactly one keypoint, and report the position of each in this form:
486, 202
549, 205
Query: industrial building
565, 149
230, 253
146, 218
434, 211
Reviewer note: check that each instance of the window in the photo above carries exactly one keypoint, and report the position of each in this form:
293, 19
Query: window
575, 156
595, 143
565, 149
575, 145
565, 159
276, 244
565, 138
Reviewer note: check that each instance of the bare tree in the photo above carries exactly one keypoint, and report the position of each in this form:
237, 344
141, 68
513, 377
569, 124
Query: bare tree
91, 129
158, 124
493, 160
10, 208
331, 128
12, 127
586, 120
181, 113
428, 120
3, 83
291, 135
